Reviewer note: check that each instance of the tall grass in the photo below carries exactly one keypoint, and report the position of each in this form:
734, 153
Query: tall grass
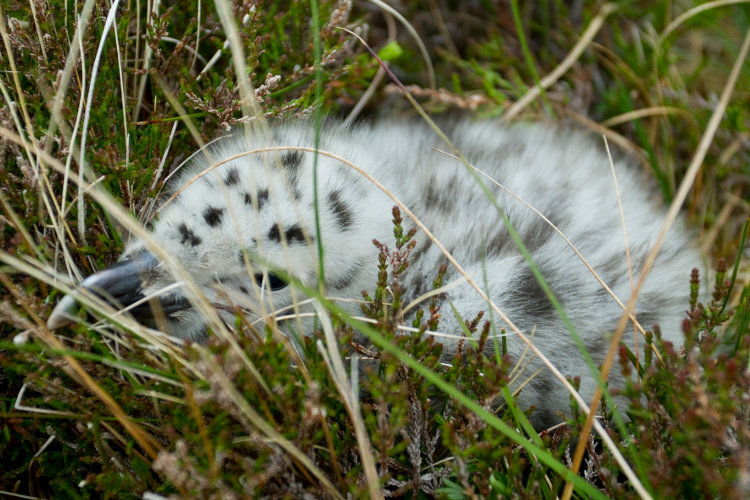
101, 104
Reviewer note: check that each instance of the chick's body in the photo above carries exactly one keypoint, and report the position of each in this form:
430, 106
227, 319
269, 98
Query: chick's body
245, 207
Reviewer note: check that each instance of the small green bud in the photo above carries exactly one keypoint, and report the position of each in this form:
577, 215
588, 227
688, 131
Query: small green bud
390, 52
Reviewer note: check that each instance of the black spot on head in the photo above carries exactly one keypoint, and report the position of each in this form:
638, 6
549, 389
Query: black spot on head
232, 177
291, 160
274, 234
213, 216
261, 198
243, 289
292, 234
340, 209
295, 233
188, 237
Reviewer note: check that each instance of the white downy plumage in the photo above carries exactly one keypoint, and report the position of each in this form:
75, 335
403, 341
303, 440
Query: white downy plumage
254, 212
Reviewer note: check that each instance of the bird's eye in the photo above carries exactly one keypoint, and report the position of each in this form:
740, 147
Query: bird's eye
273, 282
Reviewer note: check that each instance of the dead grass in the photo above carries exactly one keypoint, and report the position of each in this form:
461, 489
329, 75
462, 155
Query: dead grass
99, 106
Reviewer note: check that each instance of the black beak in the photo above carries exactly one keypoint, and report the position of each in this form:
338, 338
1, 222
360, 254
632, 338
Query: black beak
121, 287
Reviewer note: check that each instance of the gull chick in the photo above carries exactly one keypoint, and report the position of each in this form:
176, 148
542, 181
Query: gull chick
244, 208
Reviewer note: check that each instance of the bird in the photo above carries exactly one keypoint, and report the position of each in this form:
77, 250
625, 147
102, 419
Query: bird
244, 217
